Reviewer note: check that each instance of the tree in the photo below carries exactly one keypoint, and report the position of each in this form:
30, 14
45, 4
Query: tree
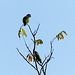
35, 55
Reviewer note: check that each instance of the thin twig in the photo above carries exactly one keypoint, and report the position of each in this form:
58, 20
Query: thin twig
21, 26
42, 68
28, 61
25, 58
50, 55
53, 39
30, 29
39, 63
51, 51
45, 58
27, 45
34, 47
35, 32
34, 53
45, 67
40, 71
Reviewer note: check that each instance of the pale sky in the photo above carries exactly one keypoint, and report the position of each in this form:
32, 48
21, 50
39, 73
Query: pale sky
53, 17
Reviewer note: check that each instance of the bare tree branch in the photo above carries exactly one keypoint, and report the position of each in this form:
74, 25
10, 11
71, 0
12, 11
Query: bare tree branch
35, 32
21, 26
43, 71
30, 30
40, 71
51, 52
27, 46
45, 67
34, 53
25, 58
45, 59
53, 39
34, 47
28, 61
44, 64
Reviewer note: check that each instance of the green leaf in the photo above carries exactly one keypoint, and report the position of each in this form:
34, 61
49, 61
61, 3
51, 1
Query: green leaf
30, 59
19, 33
61, 36
33, 58
64, 32
39, 41
24, 33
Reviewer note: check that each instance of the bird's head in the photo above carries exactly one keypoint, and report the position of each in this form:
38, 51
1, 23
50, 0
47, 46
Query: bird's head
29, 15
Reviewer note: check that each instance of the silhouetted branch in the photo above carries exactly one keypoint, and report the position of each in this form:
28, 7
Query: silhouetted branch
30, 30
45, 59
34, 46
43, 64
45, 67
53, 39
21, 26
51, 52
35, 32
34, 52
26, 45
28, 61
25, 58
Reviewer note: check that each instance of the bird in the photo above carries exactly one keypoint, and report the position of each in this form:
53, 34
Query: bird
38, 58
26, 19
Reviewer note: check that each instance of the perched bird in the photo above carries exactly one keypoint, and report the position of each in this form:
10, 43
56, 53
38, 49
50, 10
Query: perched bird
26, 19
38, 58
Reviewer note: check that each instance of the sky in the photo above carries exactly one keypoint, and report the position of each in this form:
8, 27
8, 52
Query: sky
53, 16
